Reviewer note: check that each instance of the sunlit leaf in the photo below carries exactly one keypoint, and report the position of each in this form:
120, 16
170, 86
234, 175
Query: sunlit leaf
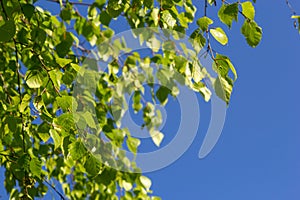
248, 10
219, 35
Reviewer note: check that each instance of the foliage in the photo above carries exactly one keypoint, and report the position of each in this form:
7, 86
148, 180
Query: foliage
41, 121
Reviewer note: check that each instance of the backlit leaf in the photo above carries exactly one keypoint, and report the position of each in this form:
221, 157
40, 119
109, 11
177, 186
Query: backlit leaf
219, 35
248, 10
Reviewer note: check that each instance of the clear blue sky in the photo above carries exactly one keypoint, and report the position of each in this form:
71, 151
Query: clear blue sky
258, 154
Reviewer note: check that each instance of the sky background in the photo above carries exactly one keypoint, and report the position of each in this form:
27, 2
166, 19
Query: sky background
258, 154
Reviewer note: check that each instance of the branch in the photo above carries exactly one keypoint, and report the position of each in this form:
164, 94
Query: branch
4, 11
72, 3
205, 8
290, 7
20, 92
60, 194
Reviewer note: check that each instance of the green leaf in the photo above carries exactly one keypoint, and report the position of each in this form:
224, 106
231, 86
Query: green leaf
219, 35
66, 14
35, 167
22, 36
34, 79
137, 106
105, 18
132, 144
223, 88
75, 67
222, 65
63, 48
56, 138
28, 10
65, 120
205, 92
92, 165
77, 150
162, 94
168, 19
43, 131
248, 9
89, 119
38, 35
157, 137
62, 62
252, 32
228, 13
7, 31
146, 182
197, 40
67, 103
204, 22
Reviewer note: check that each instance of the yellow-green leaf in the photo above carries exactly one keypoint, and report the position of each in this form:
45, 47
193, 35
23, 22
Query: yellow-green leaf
219, 35
248, 9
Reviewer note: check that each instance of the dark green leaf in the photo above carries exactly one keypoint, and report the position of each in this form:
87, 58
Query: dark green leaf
28, 10
66, 14
7, 31
162, 94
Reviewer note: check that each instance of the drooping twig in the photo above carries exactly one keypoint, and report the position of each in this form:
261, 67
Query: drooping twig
290, 7
55, 190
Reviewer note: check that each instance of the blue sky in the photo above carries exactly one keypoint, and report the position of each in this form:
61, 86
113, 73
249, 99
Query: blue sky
258, 154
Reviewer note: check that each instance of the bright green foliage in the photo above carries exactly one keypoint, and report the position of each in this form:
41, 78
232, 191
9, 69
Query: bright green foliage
45, 106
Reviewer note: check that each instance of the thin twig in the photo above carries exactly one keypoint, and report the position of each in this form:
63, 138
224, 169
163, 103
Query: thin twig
205, 8
290, 7
72, 3
60, 194
20, 93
